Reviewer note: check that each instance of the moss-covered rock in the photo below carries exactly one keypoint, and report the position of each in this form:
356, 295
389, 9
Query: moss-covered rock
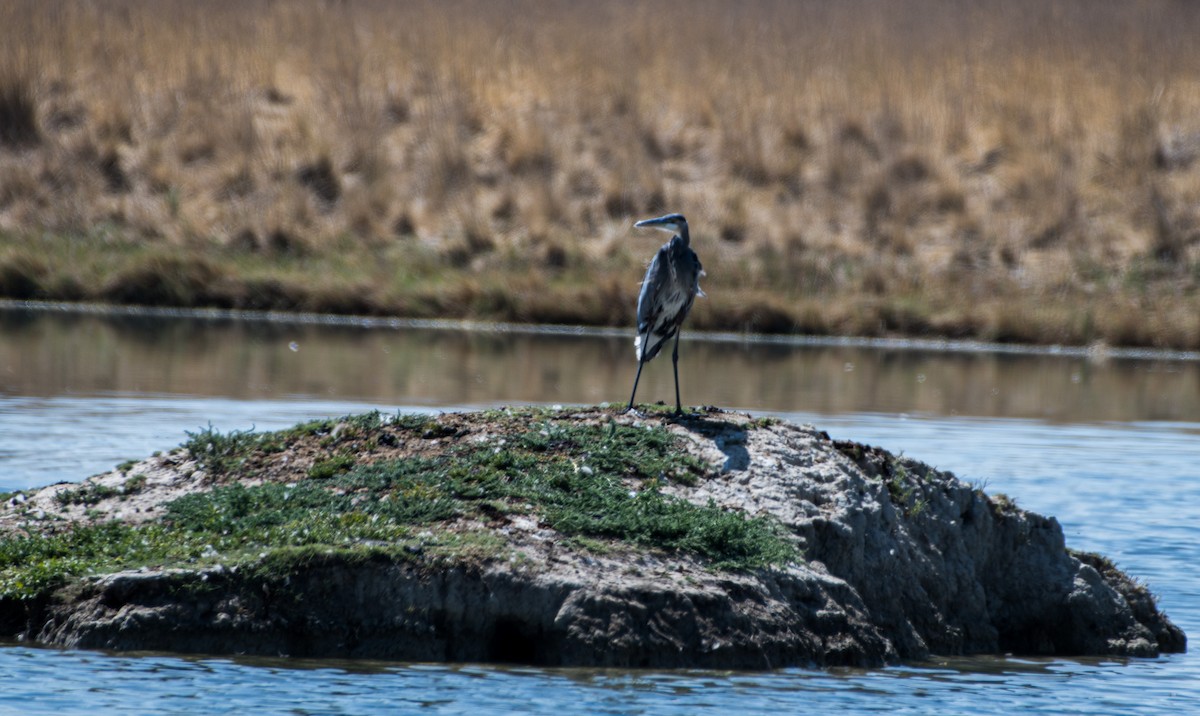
559, 537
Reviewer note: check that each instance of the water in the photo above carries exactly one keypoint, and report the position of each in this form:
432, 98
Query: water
156, 684
1109, 447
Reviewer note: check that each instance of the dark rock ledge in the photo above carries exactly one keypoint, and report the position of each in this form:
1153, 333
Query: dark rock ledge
897, 561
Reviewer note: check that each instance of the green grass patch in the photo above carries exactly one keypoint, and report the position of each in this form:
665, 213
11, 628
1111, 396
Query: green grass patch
227, 453
576, 478
87, 494
220, 453
326, 469
135, 483
30, 565
598, 485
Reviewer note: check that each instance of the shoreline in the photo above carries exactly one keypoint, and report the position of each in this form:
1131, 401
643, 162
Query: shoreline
1096, 352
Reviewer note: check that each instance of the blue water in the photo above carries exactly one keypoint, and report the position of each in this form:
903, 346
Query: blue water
1129, 489
94, 683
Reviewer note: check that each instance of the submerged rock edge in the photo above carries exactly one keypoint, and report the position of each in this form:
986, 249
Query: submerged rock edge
902, 562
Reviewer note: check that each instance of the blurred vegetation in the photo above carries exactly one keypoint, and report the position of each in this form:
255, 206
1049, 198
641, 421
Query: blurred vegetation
1014, 171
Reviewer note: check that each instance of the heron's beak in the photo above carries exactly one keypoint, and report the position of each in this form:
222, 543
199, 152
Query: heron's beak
662, 223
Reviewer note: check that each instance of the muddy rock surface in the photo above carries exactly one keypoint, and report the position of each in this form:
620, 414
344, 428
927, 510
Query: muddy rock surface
896, 561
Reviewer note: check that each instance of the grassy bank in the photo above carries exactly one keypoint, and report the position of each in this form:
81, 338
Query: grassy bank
1021, 171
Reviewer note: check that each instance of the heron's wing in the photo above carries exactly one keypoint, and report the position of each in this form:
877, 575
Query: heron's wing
698, 272
649, 305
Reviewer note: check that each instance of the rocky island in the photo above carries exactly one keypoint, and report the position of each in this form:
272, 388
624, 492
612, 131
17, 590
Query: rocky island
578, 536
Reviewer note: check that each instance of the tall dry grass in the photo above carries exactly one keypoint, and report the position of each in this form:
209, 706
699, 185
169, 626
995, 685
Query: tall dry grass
1021, 170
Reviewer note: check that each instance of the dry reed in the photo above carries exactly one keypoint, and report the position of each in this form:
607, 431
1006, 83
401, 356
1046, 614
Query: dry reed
1023, 170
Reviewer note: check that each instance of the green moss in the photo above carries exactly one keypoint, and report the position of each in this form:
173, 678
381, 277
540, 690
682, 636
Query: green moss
326, 469
452, 547
227, 453
286, 561
902, 482
590, 544
30, 565
658, 408
412, 422
219, 453
86, 494
135, 483
597, 485
898, 488
350, 425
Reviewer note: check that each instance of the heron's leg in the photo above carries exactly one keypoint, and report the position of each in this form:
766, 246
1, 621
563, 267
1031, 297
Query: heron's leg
675, 365
641, 362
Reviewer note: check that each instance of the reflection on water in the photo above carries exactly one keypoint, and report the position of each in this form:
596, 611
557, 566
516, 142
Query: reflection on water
44, 354
1110, 452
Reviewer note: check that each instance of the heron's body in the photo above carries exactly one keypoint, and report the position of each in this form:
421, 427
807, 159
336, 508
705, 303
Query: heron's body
671, 285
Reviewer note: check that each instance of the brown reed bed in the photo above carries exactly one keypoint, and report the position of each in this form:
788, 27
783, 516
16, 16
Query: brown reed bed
1018, 171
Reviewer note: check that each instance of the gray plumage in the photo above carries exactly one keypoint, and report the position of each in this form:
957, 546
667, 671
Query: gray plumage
671, 284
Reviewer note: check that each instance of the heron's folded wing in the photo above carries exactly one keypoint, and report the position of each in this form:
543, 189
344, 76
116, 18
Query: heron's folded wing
649, 302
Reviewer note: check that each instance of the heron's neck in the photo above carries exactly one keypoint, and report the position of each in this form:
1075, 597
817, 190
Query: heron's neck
683, 235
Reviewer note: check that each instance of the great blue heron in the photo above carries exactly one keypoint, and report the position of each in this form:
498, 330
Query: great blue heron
672, 282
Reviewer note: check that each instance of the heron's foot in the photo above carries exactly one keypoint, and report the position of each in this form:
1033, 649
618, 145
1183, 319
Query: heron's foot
630, 410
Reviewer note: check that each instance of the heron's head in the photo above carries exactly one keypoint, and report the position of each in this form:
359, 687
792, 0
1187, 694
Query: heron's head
671, 223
